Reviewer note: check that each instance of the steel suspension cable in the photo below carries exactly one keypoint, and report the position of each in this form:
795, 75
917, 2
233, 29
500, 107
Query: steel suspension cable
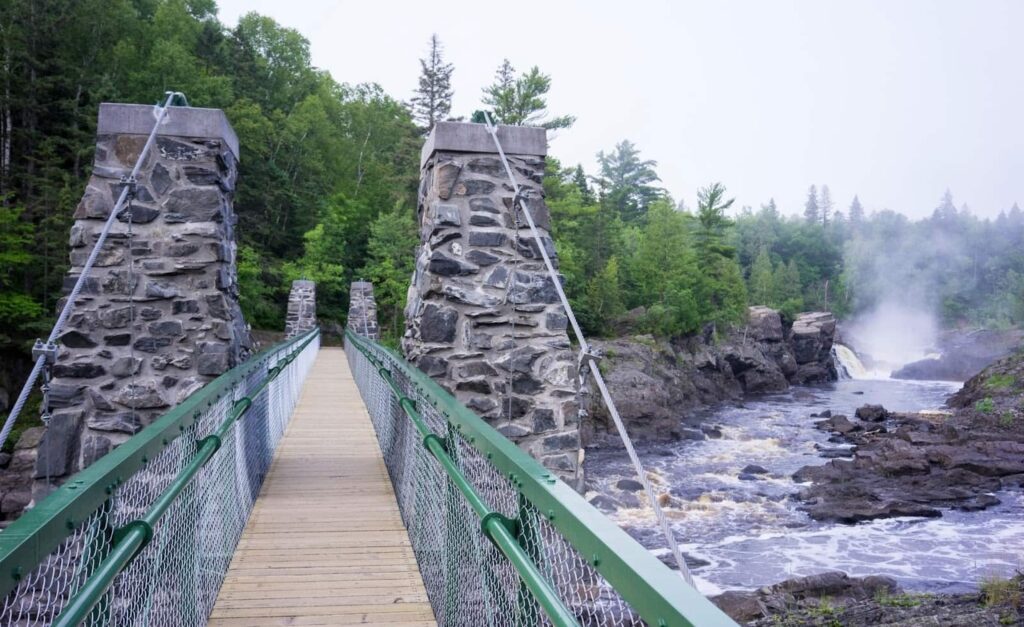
586, 360
46, 352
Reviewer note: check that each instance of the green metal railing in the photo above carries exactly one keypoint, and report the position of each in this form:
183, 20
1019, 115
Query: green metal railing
498, 538
145, 534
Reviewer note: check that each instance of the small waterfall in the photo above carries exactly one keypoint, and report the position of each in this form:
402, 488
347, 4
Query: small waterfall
848, 364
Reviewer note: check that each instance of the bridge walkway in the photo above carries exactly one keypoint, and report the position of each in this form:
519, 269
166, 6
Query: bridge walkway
325, 544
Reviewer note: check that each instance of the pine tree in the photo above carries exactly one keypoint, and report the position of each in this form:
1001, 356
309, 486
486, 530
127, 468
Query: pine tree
856, 212
603, 299
433, 101
762, 280
625, 181
825, 205
811, 213
720, 288
521, 101
579, 178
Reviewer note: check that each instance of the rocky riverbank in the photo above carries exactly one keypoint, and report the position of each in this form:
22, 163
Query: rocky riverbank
963, 354
917, 464
657, 383
833, 598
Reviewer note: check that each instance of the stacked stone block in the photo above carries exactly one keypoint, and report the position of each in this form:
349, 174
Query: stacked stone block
362, 310
301, 308
483, 316
159, 314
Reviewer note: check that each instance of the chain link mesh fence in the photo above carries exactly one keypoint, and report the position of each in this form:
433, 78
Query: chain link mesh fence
175, 579
468, 579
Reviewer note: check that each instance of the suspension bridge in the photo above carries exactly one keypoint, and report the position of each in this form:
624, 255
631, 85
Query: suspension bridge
327, 486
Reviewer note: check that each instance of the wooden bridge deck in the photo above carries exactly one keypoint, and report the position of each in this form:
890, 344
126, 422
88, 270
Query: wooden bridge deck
325, 544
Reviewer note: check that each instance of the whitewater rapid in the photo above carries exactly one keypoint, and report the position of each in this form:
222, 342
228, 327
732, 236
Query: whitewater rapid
751, 532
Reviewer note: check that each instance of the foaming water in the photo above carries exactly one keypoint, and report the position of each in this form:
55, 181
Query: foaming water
749, 529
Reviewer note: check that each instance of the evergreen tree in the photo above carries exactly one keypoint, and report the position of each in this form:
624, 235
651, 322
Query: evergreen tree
856, 212
521, 101
825, 205
625, 182
433, 100
720, 289
811, 212
762, 280
579, 178
603, 299
391, 257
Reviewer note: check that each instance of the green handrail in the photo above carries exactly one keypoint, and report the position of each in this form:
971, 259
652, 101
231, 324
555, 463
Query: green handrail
498, 528
658, 594
39, 531
133, 537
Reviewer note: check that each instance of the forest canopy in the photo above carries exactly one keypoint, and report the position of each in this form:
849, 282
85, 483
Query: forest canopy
329, 175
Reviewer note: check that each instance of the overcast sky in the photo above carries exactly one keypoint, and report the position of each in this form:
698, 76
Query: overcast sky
891, 100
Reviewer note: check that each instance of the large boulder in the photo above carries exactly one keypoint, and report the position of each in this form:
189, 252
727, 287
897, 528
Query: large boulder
811, 339
764, 324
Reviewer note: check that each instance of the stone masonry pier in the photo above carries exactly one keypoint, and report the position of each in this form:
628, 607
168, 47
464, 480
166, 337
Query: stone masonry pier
362, 310
159, 315
483, 317
301, 308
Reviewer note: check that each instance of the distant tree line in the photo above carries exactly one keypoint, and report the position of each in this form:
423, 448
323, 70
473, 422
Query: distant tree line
329, 176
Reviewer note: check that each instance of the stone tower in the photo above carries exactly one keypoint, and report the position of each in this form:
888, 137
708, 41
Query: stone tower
301, 308
159, 314
362, 310
484, 318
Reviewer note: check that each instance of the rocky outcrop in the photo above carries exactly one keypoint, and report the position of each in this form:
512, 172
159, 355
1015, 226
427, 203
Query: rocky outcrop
811, 339
800, 593
832, 598
913, 465
159, 315
963, 355
996, 393
483, 316
301, 315
655, 383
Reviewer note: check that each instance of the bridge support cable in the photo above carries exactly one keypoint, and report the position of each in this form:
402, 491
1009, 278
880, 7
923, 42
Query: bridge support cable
587, 359
500, 540
145, 534
45, 354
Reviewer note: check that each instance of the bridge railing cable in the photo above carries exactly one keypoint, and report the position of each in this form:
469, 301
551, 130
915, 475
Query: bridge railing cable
499, 539
44, 353
145, 535
587, 360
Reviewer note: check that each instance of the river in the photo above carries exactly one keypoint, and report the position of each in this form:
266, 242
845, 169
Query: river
751, 533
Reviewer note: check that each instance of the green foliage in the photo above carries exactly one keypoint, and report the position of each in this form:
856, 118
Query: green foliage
521, 101
602, 301
1000, 382
319, 159
1006, 419
390, 262
625, 182
899, 600
985, 405
1001, 591
720, 290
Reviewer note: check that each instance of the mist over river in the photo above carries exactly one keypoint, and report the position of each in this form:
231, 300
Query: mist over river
750, 532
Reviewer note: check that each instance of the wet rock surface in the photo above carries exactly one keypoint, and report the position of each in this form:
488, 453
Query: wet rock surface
963, 355
917, 464
655, 383
833, 598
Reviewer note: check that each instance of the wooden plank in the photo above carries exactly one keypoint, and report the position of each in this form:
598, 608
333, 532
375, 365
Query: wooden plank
325, 544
